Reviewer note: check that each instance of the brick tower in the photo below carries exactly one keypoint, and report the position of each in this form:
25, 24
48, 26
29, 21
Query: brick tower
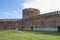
29, 12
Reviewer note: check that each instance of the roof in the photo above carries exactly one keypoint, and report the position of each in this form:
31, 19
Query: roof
9, 19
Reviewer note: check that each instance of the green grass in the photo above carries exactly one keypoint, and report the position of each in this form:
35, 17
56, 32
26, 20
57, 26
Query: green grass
28, 35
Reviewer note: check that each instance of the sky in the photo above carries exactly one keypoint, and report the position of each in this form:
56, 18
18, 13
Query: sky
13, 8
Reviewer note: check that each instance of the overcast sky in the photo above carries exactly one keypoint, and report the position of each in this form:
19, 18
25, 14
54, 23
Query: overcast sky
13, 8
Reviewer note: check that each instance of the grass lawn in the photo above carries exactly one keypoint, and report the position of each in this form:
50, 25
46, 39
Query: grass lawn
28, 35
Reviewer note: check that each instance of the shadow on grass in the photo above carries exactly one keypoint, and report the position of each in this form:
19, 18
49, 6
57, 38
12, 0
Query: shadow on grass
44, 32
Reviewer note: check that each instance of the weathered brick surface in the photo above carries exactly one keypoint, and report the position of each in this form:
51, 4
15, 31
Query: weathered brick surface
34, 19
29, 12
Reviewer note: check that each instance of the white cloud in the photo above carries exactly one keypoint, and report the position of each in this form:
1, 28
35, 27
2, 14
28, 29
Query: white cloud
43, 5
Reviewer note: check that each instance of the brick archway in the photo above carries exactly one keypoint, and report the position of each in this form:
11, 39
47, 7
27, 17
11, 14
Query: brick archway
59, 28
31, 27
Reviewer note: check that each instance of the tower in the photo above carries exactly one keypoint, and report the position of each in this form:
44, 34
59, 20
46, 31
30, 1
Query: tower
29, 12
